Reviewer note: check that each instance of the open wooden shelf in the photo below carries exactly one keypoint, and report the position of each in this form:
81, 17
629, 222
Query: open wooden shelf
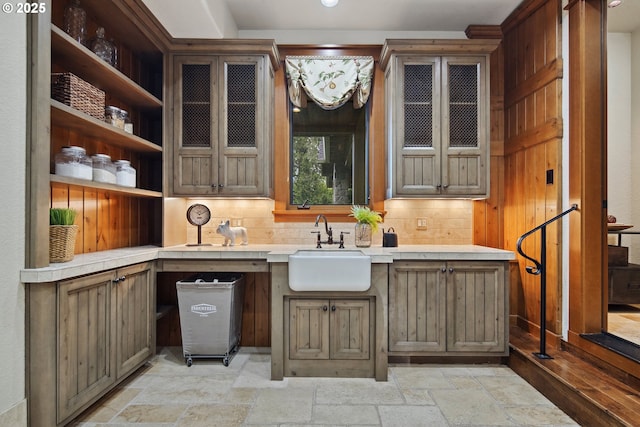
91, 127
88, 66
133, 192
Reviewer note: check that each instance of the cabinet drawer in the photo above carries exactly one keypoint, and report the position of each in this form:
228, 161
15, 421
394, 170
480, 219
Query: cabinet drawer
624, 285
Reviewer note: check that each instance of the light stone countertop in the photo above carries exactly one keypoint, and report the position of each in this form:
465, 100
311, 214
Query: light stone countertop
107, 260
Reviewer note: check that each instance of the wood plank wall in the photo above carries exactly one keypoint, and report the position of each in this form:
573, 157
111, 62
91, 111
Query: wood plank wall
488, 215
532, 148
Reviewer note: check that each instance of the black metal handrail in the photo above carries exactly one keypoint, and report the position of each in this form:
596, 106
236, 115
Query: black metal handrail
539, 268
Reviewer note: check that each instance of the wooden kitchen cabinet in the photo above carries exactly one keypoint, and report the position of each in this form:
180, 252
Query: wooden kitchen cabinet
86, 348
437, 97
417, 307
350, 341
135, 317
223, 125
100, 330
323, 329
329, 337
448, 308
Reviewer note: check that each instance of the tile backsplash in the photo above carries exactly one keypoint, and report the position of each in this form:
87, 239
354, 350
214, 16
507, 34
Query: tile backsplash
447, 222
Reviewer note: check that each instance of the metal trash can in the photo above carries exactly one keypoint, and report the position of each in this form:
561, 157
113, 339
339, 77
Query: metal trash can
210, 306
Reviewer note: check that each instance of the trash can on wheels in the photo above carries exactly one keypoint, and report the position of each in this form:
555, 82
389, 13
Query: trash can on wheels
210, 306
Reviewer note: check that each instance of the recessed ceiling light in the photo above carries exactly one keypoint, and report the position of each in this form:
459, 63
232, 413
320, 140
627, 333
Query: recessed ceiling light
329, 3
614, 3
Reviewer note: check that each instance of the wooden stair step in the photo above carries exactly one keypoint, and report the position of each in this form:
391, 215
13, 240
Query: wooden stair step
584, 391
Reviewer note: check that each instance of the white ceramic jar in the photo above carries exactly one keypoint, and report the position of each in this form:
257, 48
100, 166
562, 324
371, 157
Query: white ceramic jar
125, 173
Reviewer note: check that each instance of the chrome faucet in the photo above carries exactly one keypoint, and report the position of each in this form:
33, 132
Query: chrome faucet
327, 229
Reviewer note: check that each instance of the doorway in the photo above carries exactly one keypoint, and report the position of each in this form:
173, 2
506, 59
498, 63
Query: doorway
623, 153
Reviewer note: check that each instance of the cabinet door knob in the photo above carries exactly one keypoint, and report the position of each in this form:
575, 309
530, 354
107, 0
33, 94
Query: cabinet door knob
325, 308
450, 269
333, 308
444, 269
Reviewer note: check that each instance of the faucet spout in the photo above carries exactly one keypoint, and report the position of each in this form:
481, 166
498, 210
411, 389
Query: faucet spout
324, 218
327, 229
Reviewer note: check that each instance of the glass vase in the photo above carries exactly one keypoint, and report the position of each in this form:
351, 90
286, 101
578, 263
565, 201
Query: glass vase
105, 49
363, 235
75, 21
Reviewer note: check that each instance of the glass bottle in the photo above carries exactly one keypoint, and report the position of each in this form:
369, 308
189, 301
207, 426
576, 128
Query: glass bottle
103, 48
75, 21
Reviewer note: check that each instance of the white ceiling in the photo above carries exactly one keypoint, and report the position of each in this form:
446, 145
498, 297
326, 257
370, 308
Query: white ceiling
351, 21
624, 18
383, 15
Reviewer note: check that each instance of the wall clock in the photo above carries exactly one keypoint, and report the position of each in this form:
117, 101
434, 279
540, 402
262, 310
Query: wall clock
198, 215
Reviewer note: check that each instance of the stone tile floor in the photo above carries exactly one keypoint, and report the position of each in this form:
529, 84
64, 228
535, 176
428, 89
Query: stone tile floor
168, 393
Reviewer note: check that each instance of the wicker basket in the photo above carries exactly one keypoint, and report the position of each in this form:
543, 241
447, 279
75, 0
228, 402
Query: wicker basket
78, 94
62, 242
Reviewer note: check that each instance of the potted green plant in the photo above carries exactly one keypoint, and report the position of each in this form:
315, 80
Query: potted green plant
62, 234
367, 224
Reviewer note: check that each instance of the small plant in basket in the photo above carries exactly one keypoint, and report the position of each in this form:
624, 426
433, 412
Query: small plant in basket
62, 216
62, 234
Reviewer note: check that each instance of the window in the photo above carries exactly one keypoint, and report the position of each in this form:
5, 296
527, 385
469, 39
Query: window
371, 157
328, 155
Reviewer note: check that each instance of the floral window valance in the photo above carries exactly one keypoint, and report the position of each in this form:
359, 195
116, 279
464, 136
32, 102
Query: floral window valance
330, 81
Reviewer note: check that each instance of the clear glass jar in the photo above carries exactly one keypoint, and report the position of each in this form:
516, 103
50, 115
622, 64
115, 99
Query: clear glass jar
363, 235
75, 21
104, 48
115, 116
73, 162
125, 173
103, 169
128, 126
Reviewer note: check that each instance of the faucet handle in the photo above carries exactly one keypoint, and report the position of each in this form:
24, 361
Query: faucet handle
342, 233
318, 245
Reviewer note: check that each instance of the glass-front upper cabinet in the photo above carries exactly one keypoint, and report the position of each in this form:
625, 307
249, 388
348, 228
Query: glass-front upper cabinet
437, 124
222, 127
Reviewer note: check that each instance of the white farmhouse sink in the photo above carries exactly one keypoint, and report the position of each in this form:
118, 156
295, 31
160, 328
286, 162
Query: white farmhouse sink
329, 270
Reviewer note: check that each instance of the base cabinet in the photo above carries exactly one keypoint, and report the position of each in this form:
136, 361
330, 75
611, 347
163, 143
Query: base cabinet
329, 333
329, 336
321, 329
100, 331
86, 350
448, 308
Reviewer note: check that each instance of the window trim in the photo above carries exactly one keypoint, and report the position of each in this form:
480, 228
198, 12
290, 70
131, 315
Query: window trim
283, 210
